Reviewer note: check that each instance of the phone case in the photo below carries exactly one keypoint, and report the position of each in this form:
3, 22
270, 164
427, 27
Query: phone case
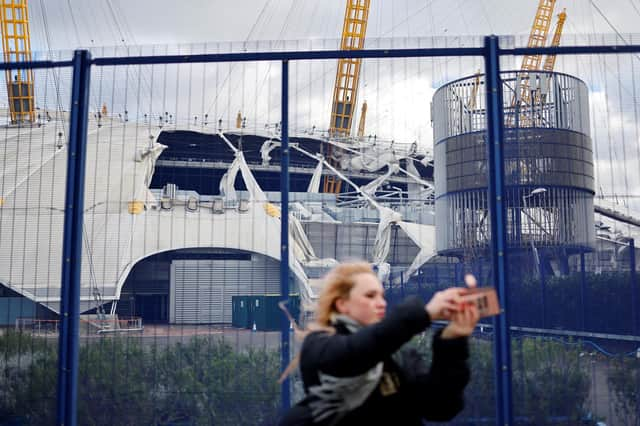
485, 299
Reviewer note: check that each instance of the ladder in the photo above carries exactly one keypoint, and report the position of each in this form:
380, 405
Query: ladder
16, 45
345, 91
537, 38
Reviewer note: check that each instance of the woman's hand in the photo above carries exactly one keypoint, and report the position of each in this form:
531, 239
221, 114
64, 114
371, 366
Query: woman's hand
462, 323
464, 320
444, 303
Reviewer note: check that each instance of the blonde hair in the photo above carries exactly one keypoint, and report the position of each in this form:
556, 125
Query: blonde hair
337, 284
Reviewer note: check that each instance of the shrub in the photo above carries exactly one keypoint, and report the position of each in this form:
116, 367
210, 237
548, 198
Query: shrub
203, 381
624, 380
549, 382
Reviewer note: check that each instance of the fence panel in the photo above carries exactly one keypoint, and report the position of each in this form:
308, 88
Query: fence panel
181, 267
33, 169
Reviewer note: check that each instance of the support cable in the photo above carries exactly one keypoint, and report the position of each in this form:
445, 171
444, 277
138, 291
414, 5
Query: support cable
595, 6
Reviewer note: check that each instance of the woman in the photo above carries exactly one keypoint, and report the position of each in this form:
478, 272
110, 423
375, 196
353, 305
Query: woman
354, 368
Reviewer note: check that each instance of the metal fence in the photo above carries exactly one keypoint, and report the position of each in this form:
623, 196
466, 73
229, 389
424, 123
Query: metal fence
145, 245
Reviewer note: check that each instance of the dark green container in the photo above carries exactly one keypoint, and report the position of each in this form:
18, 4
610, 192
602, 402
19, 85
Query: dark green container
265, 313
240, 312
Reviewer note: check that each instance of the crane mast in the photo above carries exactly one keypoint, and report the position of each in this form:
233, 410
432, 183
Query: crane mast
345, 91
539, 33
550, 60
16, 45
537, 38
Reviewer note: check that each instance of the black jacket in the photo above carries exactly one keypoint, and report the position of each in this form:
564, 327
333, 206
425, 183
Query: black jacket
408, 390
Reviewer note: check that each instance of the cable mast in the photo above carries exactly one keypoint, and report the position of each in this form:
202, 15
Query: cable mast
550, 60
345, 91
537, 38
16, 45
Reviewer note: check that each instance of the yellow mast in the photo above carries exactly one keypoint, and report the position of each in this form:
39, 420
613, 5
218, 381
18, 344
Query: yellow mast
345, 91
16, 45
537, 38
550, 60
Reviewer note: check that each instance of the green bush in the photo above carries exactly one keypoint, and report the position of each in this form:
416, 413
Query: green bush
223, 386
28, 366
564, 308
203, 381
624, 380
549, 382
206, 381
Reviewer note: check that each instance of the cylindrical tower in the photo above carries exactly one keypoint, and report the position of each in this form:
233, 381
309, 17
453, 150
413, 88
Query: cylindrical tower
548, 156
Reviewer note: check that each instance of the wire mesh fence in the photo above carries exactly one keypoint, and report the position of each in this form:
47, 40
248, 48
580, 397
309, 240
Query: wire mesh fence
181, 265
33, 163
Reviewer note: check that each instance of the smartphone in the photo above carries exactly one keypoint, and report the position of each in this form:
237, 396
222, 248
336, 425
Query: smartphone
486, 300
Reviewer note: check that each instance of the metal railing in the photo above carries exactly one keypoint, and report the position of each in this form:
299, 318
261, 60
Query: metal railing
42, 327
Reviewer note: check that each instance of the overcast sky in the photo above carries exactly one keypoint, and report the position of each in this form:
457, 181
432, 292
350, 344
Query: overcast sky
73, 23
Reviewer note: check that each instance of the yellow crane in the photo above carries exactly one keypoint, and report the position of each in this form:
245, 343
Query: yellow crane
16, 45
537, 38
345, 91
550, 60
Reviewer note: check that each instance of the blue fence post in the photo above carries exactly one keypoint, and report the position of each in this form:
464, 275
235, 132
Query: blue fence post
634, 306
583, 291
495, 142
634, 287
543, 289
284, 231
72, 243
